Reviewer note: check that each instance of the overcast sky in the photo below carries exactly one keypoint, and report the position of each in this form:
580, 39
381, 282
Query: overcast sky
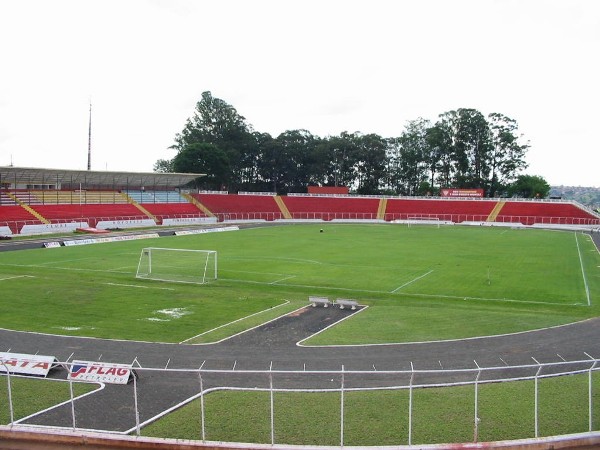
323, 65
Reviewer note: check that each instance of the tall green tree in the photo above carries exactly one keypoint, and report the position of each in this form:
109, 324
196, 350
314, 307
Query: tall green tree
216, 122
507, 156
529, 186
204, 158
411, 157
472, 148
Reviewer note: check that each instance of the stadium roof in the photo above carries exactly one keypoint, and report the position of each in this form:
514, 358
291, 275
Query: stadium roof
29, 175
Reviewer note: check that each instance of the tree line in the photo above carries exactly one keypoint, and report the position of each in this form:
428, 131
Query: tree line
462, 149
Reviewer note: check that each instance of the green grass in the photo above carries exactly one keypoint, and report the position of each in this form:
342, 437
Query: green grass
420, 283
466, 281
31, 395
440, 415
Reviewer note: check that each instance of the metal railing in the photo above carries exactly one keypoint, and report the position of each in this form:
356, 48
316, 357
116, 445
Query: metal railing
132, 400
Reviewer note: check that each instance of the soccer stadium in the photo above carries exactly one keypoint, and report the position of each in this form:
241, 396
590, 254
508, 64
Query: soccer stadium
140, 312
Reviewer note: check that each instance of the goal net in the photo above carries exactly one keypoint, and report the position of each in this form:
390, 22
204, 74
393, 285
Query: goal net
177, 265
423, 220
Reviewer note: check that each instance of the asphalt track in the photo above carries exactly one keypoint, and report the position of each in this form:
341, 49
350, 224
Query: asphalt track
274, 345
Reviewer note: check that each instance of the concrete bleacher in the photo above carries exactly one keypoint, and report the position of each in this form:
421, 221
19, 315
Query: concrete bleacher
156, 196
532, 212
90, 213
449, 210
173, 209
329, 208
240, 207
15, 216
6, 199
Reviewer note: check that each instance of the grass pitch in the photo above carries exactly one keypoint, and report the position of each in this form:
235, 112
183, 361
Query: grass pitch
421, 283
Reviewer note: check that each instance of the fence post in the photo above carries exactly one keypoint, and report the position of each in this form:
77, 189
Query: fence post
202, 403
135, 402
410, 403
476, 419
342, 409
9, 388
536, 402
590, 403
72, 404
272, 404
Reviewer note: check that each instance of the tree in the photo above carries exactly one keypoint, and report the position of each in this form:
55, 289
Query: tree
472, 145
409, 157
218, 123
297, 148
163, 166
507, 153
207, 159
529, 186
342, 153
441, 138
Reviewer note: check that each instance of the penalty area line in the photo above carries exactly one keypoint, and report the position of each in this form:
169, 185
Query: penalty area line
16, 276
410, 282
141, 287
283, 279
235, 321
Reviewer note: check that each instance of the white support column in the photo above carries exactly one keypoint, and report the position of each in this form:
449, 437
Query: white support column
9, 388
342, 409
72, 404
202, 413
410, 403
272, 404
536, 402
476, 418
137, 411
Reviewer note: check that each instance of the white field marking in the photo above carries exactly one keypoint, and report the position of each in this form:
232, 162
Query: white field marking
16, 276
368, 291
74, 269
101, 386
283, 279
271, 258
131, 268
444, 340
139, 286
235, 321
256, 272
301, 343
585, 284
410, 282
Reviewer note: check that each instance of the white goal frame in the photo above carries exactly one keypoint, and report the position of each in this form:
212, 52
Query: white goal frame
180, 267
423, 220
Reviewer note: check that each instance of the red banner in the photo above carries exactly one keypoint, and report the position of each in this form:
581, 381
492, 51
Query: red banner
452, 192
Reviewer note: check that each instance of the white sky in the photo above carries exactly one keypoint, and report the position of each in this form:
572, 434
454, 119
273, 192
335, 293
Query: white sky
323, 65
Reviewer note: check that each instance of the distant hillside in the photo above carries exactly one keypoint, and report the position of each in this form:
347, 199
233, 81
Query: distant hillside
588, 196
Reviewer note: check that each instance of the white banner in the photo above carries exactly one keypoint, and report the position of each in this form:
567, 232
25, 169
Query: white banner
99, 240
25, 364
99, 372
206, 230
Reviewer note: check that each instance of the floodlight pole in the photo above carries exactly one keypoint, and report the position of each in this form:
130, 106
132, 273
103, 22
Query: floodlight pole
89, 160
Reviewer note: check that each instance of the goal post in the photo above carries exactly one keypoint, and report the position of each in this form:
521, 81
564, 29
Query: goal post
177, 265
423, 220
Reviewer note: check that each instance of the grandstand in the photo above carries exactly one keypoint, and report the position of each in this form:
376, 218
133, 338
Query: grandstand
241, 207
36, 201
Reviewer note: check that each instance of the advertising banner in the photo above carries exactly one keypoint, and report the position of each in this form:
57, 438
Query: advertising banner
99, 372
24, 364
452, 192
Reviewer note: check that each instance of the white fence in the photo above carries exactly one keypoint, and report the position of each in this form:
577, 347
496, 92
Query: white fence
154, 392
